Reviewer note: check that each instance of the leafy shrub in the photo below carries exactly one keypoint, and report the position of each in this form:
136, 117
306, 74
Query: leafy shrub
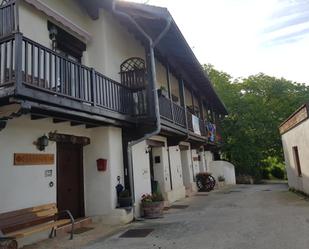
278, 172
265, 173
155, 197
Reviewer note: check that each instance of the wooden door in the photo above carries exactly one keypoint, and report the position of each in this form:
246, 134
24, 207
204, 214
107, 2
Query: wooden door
70, 186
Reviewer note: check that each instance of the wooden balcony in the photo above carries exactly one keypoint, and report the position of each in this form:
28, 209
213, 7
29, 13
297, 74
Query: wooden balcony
33, 71
172, 112
175, 116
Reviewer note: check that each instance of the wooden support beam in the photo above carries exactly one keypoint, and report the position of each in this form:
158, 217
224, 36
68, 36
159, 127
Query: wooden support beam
36, 117
58, 120
88, 126
73, 123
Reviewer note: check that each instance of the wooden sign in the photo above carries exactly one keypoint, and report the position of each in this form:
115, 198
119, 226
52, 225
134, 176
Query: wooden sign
33, 159
296, 118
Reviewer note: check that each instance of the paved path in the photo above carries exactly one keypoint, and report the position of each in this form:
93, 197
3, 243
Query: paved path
258, 216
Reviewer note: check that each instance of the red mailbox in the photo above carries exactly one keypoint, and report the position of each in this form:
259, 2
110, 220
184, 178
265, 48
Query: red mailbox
102, 164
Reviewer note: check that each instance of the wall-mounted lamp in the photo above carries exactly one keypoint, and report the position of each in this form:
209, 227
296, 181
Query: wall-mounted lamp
52, 35
42, 142
147, 149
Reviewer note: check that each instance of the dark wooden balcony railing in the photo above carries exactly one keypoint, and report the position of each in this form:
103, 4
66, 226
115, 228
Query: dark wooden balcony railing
165, 108
8, 18
28, 65
7, 66
172, 111
189, 118
179, 114
44, 70
202, 127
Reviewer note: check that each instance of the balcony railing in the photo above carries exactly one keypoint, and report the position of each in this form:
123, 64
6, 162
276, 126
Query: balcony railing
171, 111
176, 114
25, 64
42, 69
8, 18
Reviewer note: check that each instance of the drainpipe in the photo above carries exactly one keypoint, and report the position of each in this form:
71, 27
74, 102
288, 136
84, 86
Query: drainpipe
153, 85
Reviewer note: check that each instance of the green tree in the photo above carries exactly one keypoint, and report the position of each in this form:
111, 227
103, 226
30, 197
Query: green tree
257, 105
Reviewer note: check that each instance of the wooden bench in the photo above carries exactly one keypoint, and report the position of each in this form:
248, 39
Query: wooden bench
25, 222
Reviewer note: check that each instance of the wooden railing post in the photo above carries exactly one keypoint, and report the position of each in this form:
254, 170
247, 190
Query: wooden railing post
170, 91
18, 61
17, 3
183, 100
93, 86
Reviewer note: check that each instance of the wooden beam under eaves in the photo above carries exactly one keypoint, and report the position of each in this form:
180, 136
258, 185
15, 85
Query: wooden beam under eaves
58, 120
36, 117
73, 123
88, 126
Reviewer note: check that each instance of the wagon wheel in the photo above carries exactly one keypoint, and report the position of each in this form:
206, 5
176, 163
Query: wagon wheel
212, 182
209, 183
8, 244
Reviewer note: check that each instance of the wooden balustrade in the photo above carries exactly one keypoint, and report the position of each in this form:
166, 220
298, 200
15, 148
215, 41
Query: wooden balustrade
39, 68
7, 67
8, 18
165, 108
189, 118
179, 114
45, 70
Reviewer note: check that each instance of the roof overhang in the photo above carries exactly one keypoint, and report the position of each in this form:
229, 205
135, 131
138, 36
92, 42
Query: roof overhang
173, 47
297, 117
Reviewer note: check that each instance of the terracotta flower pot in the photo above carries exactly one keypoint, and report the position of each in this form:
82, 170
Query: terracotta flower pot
153, 209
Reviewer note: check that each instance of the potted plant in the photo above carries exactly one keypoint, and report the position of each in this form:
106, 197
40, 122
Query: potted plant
152, 205
221, 181
124, 199
162, 91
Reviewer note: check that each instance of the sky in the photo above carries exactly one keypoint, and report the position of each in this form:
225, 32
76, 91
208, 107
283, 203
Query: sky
246, 37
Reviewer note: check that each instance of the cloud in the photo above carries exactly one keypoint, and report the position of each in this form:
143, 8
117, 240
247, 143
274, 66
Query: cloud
288, 23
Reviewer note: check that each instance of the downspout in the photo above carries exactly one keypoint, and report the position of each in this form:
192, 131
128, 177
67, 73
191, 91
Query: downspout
153, 84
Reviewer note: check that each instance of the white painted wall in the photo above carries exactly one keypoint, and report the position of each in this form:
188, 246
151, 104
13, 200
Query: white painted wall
100, 192
27, 186
208, 159
141, 173
202, 161
176, 169
161, 75
178, 189
298, 136
161, 170
186, 163
195, 163
223, 168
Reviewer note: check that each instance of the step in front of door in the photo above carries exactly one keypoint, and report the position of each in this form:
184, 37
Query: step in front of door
81, 222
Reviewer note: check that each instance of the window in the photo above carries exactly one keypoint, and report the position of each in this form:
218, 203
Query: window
297, 161
66, 44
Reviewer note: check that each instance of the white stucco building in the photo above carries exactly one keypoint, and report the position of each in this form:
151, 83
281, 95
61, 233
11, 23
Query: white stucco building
295, 141
83, 84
